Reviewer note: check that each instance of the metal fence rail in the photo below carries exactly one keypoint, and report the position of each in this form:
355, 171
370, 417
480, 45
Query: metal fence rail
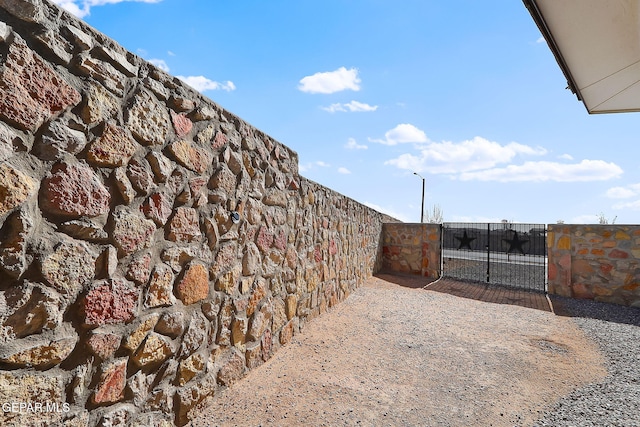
506, 254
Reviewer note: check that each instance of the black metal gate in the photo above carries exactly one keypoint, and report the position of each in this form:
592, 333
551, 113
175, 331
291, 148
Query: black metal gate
506, 254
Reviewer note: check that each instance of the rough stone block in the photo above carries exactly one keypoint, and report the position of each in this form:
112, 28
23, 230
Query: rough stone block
147, 119
160, 290
15, 187
195, 337
233, 369
139, 269
189, 368
124, 185
190, 156
131, 231
30, 309
31, 92
102, 71
181, 124
140, 175
171, 324
154, 350
59, 139
69, 268
228, 282
29, 386
74, 190
99, 104
110, 388
162, 167
13, 243
194, 285
118, 60
113, 148
108, 302
139, 333
158, 207
184, 226
56, 44
84, 229
103, 345
39, 351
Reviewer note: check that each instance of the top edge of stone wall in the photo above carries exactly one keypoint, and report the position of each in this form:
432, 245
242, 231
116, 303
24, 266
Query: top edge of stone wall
49, 19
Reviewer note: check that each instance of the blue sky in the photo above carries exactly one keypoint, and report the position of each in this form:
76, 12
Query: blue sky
463, 92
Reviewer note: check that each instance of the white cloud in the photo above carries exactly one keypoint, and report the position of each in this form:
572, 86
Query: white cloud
170, 53
353, 106
353, 145
635, 205
201, 83
470, 155
323, 164
585, 171
402, 133
82, 8
621, 193
540, 40
160, 63
344, 171
331, 81
566, 157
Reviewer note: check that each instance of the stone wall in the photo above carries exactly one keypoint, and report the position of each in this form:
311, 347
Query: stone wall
600, 262
412, 249
153, 246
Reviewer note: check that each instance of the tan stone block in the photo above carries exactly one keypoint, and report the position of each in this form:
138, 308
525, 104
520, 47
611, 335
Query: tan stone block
190, 156
154, 350
564, 243
29, 386
194, 286
113, 148
160, 290
146, 325
69, 268
228, 282
621, 235
291, 306
40, 352
147, 119
189, 368
99, 104
15, 188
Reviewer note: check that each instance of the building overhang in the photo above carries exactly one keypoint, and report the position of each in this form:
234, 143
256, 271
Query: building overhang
597, 45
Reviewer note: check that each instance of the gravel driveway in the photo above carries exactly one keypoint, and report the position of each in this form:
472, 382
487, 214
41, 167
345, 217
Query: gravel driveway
397, 356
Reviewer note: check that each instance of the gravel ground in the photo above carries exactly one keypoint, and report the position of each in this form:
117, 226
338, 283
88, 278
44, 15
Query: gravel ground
395, 356
614, 401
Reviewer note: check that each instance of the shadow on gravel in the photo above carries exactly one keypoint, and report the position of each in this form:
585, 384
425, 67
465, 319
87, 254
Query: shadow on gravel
471, 290
405, 280
491, 293
571, 307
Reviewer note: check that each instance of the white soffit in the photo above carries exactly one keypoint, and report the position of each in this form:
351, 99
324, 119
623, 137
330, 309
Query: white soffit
597, 45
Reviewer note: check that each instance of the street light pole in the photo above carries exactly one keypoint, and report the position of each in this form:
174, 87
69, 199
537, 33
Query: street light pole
422, 206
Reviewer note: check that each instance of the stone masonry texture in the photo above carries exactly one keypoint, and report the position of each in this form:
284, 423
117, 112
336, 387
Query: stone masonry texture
599, 262
412, 249
128, 295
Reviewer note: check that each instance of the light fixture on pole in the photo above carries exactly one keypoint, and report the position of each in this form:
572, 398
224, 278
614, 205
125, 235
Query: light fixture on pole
422, 206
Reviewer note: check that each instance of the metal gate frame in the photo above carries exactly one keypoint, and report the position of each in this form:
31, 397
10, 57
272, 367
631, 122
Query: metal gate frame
506, 254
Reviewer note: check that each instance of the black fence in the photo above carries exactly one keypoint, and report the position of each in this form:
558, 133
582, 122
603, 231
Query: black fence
506, 254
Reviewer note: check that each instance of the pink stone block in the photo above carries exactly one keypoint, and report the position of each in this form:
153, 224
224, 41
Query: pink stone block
108, 302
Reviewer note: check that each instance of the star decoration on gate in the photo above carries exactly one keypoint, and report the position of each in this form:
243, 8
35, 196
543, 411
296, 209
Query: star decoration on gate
465, 240
515, 243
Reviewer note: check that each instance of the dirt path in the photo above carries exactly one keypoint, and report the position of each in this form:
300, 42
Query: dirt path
392, 355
